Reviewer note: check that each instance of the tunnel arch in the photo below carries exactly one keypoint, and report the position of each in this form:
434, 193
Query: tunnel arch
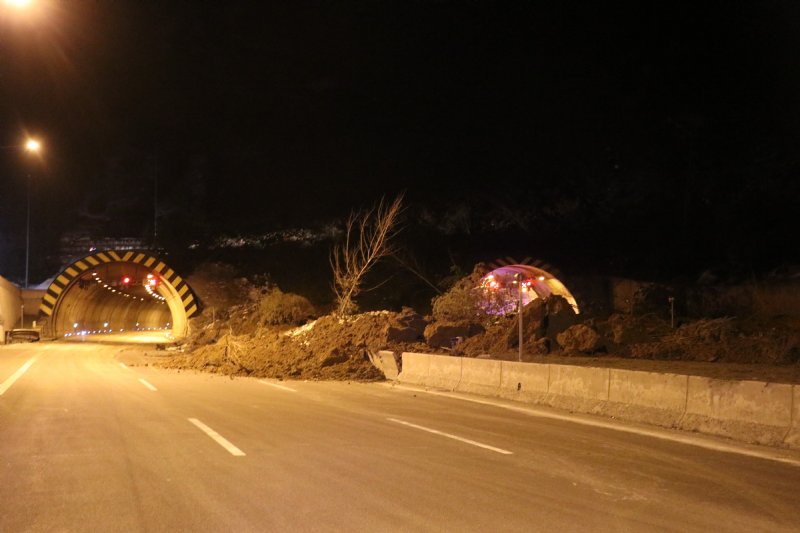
502, 284
116, 290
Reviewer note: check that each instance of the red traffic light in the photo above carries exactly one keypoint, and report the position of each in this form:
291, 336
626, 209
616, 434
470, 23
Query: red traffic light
126, 280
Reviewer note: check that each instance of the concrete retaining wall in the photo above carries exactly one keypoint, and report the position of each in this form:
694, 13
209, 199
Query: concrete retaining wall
10, 306
750, 411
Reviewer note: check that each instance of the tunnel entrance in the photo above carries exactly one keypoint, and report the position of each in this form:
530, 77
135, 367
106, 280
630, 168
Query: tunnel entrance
504, 287
127, 294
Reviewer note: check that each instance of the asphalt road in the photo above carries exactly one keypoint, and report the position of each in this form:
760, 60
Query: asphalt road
91, 444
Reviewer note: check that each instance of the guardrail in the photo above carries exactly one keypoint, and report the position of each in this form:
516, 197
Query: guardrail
750, 411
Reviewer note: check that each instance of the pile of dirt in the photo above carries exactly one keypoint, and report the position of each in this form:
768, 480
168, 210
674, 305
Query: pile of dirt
326, 348
730, 340
543, 321
755, 340
256, 329
551, 327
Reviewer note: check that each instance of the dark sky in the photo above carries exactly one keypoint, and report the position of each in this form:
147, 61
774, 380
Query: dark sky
669, 128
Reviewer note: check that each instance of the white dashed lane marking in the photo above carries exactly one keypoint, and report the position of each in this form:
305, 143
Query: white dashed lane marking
148, 385
16, 375
451, 436
282, 387
219, 439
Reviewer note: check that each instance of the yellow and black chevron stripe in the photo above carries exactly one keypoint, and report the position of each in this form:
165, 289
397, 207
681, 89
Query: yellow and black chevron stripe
69, 274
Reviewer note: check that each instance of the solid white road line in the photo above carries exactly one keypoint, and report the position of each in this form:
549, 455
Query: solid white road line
219, 439
276, 385
148, 385
16, 375
123, 365
454, 437
708, 443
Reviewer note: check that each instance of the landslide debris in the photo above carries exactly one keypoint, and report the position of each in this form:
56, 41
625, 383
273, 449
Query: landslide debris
271, 333
254, 328
326, 348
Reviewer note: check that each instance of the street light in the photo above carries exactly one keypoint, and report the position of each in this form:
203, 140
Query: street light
24, 12
32, 146
19, 4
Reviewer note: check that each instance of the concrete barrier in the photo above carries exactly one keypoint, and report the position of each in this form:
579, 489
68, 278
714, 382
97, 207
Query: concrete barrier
385, 361
578, 388
755, 411
523, 381
647, 396
648, 389
579, 381
416, 367
793, 435
444, 372
750, 411
480, 376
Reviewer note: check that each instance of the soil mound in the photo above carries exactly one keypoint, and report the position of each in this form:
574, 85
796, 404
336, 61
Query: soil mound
256, 329
327, 348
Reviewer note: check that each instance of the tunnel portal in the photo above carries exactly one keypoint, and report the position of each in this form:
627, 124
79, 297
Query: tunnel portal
504, 287
118, 291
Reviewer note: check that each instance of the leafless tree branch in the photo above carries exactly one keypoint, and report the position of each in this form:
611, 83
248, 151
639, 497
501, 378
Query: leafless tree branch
369, 237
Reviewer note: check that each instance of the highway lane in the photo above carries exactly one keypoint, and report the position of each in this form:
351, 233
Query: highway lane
92, 444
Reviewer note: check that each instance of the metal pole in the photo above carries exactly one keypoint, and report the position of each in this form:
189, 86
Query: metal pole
28, 232
672, 312
519, 311
155, 201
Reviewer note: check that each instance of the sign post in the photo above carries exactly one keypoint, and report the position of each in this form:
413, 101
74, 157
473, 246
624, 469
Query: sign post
519, 293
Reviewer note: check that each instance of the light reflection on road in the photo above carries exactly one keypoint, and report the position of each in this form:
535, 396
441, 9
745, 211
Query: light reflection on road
130, 337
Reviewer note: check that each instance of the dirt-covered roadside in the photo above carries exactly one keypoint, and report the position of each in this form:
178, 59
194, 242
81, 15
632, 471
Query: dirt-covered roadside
756, 347
253, 328
149, 356
326, 348
717, 370
257, 330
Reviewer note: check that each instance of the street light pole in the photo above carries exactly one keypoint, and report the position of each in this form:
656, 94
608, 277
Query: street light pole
155, 203
519, 313
28, 231
34, 147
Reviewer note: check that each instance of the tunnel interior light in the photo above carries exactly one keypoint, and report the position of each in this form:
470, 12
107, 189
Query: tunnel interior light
125, 286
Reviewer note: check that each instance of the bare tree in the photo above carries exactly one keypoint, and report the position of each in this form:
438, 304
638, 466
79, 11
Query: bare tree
369, 237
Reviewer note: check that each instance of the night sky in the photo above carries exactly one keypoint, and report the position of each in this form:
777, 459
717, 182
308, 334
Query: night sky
648, 139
